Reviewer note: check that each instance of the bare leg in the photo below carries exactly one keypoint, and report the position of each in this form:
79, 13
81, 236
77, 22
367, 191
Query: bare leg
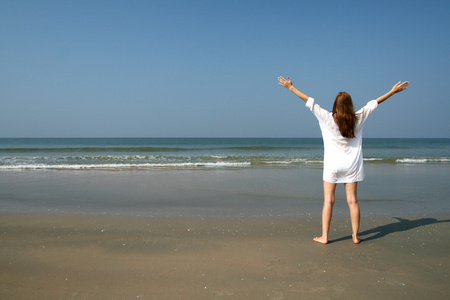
328, 202
352, 200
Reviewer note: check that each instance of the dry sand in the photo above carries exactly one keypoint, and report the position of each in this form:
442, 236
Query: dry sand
102, 257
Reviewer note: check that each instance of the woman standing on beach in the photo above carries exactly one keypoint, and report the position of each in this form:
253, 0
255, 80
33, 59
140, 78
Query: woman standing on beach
343, 159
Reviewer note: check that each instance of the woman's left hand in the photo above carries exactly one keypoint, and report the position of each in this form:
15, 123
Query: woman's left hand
287, 83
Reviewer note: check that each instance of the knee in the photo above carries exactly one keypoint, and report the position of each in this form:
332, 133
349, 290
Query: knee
329, 202
352, 201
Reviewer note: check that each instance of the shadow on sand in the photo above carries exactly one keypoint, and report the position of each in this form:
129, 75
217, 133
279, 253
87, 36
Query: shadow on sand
382, 231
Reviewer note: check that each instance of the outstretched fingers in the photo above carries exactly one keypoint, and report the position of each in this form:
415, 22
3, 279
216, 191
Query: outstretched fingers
281, 80
284, 82
401, 86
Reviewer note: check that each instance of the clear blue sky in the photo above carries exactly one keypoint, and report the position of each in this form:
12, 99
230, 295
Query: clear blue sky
209, 68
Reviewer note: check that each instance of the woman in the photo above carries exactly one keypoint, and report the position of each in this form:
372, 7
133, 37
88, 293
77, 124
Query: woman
343, 160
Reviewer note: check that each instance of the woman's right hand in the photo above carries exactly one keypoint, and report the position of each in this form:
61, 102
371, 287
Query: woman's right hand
399, 87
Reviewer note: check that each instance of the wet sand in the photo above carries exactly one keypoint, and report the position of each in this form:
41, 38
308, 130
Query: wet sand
105, 257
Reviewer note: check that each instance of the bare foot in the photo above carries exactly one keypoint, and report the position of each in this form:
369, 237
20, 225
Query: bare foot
321, 240
356, 240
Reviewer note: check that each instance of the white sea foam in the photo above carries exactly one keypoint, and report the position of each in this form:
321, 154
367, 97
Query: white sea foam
124, 166
290, 161
423, 160
280, 162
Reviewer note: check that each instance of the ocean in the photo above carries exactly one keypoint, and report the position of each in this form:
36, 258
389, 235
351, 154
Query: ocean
153, 153
215, 177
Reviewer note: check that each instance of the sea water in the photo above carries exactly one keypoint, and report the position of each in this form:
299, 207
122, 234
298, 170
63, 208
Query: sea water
145, 153
217, 177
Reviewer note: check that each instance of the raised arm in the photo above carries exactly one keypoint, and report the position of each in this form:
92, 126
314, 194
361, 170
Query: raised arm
287, 83
395, 89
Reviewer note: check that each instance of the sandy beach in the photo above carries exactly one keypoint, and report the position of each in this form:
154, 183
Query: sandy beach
105, 257
222, 233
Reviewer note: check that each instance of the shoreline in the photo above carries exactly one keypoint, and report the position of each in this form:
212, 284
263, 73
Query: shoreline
58, 256
293, 192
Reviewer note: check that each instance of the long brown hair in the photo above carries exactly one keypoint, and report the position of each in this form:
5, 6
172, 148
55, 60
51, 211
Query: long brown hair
344, 114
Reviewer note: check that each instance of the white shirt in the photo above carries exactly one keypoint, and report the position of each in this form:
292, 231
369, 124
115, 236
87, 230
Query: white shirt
343, 157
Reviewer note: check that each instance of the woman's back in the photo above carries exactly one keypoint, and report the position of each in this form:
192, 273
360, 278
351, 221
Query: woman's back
343, 157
